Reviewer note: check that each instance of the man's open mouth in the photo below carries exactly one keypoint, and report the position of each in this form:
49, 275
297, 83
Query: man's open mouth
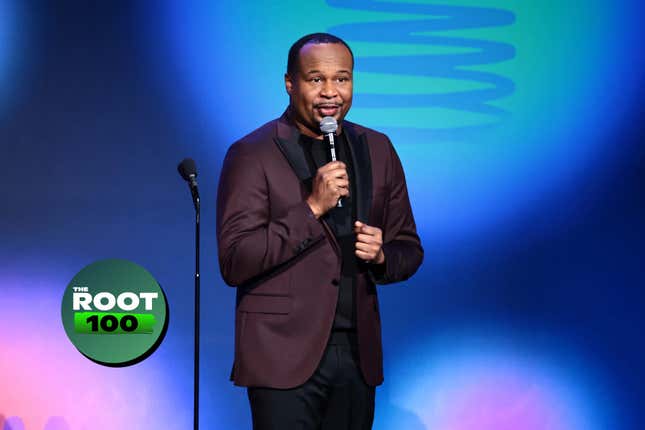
328, 109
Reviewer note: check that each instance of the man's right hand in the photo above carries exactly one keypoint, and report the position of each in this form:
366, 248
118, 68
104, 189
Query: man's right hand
330, 184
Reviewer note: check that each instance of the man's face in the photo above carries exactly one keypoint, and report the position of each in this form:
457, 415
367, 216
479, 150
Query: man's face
322, 86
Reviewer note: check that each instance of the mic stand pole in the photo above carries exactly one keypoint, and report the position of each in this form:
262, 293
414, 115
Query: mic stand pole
197, 321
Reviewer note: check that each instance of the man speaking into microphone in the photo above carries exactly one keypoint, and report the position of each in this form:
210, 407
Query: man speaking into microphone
305, 232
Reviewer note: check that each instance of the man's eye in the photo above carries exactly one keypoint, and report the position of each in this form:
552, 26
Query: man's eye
316, 80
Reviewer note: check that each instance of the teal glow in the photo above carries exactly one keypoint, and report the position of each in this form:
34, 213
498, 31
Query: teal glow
491, 105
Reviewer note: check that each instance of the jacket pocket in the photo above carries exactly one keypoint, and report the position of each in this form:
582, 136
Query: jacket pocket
265, 304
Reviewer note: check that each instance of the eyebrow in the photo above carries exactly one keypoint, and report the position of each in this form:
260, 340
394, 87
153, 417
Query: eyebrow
318, 71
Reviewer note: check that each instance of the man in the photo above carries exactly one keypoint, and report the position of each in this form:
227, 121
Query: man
307, 325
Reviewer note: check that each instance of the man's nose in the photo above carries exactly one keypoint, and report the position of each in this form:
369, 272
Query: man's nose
328, 89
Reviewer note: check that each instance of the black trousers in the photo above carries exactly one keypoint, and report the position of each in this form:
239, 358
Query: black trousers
335, 397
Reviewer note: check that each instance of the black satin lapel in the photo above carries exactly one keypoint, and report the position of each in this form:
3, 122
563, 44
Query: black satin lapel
359, 151
295, 155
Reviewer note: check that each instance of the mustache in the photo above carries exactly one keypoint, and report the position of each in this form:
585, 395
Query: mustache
327, 105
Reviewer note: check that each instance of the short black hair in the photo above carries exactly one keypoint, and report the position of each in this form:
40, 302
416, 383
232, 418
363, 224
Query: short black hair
316, 39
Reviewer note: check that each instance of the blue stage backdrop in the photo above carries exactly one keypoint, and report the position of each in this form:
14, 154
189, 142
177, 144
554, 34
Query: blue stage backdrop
519, 128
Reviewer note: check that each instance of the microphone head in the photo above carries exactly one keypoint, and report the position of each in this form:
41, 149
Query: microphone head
328, 124
187, 168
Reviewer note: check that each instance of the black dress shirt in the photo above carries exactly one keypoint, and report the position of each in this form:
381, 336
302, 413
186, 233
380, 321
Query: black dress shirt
341, 222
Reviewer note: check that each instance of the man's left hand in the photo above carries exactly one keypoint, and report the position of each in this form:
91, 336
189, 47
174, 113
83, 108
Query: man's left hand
369, 242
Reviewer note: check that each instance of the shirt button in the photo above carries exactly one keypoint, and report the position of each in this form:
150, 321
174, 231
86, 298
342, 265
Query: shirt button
335, 282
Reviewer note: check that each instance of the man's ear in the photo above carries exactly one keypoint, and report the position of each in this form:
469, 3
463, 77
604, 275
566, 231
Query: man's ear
288, 83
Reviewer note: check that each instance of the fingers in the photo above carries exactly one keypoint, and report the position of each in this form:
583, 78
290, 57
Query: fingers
340, 174
368, 238
341, 183
334, 174
369, 242
366, 252
333, 165
363, 255
330, 184
338, 188
362, 228
372, 249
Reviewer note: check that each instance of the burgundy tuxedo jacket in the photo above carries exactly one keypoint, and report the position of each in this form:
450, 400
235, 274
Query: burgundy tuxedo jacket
286, 263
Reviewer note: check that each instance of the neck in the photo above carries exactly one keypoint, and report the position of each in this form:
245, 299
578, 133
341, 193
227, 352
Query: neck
306, 130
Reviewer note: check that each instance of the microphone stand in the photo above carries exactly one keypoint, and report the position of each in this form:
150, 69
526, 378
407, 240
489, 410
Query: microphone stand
197, 321
188, 171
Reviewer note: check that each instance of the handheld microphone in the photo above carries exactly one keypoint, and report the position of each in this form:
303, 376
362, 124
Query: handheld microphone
328, 126
188, 171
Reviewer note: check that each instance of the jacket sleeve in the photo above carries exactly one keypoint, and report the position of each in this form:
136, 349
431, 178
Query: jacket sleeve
401, 244
252, 238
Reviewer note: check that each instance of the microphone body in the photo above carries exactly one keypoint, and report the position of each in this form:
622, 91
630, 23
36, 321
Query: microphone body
328, 126
332, 147
194, 191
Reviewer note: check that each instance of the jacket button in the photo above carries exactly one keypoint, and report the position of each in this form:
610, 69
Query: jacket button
335, 282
